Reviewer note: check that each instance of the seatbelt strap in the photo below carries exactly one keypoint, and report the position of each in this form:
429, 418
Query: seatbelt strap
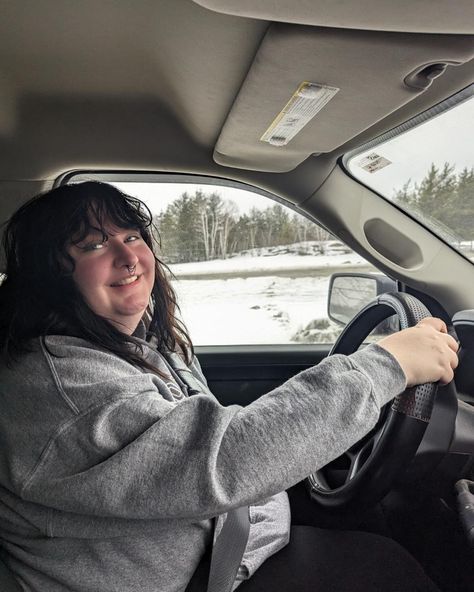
230, 545
186, 374
228, 550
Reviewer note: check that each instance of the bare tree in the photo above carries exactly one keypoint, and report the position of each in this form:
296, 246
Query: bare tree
227, 215
212, 217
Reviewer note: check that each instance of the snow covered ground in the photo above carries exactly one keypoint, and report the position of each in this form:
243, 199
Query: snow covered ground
263, 310
260, 299
277, 260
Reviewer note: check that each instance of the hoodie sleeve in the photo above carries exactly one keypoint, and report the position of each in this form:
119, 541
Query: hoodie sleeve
134, 454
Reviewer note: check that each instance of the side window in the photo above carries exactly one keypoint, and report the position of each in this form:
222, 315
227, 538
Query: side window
246, 269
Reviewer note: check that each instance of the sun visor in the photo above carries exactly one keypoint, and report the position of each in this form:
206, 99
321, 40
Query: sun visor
310, 90
422, 16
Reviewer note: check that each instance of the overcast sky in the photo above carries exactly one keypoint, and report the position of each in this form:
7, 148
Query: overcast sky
158, 196
445, 138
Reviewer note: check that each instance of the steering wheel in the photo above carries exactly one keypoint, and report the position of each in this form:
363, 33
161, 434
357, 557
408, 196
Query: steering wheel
365, 473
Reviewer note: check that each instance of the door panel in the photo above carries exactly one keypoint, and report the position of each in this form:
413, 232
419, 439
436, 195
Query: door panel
241, 374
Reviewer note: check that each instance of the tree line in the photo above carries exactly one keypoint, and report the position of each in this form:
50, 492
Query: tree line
204, 226
445, 198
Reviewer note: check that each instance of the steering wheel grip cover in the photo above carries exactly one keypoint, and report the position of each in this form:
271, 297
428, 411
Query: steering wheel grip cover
386, 451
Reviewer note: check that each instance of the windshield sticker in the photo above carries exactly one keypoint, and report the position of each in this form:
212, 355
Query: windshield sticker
373, 162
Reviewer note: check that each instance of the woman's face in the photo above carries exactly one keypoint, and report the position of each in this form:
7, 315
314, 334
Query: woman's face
115, 276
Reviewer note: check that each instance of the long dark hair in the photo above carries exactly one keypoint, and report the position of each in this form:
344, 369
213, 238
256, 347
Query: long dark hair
39, 297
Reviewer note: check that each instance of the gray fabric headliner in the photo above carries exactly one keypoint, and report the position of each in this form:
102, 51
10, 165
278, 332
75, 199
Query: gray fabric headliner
144, 85
421, 16
177, 55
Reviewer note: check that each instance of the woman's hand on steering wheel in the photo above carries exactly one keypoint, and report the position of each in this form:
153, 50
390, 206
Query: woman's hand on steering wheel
425, 352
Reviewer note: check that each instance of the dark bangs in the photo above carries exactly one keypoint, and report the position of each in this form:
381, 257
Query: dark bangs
99, 204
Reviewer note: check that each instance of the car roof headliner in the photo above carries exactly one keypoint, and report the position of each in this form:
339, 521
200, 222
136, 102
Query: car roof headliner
172, 86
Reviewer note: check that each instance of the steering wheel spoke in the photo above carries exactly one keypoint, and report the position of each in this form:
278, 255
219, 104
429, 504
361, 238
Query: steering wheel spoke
361, 454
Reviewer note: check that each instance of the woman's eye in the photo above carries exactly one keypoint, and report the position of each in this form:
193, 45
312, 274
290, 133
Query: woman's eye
132, 238
93, 246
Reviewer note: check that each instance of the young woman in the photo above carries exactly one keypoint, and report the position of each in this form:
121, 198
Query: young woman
112, 470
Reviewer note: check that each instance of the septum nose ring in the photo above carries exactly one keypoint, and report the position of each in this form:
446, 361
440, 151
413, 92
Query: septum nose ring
131, 269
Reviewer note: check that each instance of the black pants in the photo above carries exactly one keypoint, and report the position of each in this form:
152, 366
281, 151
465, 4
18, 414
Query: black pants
319, 560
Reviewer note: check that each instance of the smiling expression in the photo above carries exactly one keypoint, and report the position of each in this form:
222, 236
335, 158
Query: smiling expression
102, 274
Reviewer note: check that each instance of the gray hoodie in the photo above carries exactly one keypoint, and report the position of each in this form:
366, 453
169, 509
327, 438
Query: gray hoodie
108, 483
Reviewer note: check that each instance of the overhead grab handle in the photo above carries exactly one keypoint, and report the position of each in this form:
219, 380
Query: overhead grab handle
423, 76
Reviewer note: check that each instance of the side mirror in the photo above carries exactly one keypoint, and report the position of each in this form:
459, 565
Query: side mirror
350, 292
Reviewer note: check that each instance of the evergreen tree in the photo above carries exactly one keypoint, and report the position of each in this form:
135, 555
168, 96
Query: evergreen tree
443, 199
462, 214
179, 229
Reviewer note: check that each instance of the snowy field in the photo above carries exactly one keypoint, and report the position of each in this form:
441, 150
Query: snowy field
268, 309
297, 259
260, 299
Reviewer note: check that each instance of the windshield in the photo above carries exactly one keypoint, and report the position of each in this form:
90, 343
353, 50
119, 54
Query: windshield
427, 168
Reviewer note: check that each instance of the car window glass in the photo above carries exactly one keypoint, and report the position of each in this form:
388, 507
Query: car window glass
427, 168
246, 269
